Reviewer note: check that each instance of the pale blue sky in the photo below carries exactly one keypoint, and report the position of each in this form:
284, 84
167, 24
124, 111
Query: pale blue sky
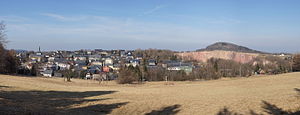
267, 25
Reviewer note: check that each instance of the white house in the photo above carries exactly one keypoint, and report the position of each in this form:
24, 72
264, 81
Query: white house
63, 66
47, 73
108, 61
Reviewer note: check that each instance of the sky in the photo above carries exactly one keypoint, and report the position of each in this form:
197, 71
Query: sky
181, 25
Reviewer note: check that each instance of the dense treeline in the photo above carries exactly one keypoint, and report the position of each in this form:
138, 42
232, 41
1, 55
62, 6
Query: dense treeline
296, 62
132, 74
8, 61
129, 75
218, 68
212, 69
157, 54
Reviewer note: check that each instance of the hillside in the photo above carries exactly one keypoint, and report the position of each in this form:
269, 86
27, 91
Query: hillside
203, 56
229, 47
21, 95
223, 50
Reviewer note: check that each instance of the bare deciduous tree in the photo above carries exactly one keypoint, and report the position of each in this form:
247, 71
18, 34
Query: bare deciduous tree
2, 33
8, 61
2, 50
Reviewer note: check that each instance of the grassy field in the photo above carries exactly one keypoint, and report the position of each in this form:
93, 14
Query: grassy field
20, 95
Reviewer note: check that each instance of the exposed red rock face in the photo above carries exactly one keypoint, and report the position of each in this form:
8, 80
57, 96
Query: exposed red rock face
228, 55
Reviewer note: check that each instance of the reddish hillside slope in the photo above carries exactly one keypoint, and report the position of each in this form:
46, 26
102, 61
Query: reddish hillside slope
228, 55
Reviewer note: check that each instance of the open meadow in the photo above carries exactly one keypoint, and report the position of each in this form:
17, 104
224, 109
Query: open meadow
37, 95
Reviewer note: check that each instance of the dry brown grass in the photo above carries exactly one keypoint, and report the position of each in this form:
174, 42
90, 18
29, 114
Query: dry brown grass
54, 96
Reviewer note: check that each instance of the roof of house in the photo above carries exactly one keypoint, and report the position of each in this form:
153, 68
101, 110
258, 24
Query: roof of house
135, 60
152, 61
48, 71
80, 62
95, 56
95, 67
180, 64
60, 60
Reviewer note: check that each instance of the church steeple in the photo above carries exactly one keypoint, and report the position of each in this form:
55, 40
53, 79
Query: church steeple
39, 52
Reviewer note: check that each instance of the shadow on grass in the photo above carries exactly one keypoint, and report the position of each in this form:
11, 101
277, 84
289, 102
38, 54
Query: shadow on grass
169, 110
54, 102
268, 108
2, 86
298, 91
226, 111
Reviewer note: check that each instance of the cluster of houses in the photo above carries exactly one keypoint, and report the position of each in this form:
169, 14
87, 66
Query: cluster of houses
94, 63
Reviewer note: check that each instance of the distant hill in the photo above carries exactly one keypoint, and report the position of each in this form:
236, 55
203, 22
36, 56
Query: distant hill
229, 47
223, 50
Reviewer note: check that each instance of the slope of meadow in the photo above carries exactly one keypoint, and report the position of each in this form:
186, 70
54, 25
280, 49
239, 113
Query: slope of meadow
19, 95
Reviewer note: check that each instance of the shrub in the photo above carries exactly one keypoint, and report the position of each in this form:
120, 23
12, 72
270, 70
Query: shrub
128, 75
296, 62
